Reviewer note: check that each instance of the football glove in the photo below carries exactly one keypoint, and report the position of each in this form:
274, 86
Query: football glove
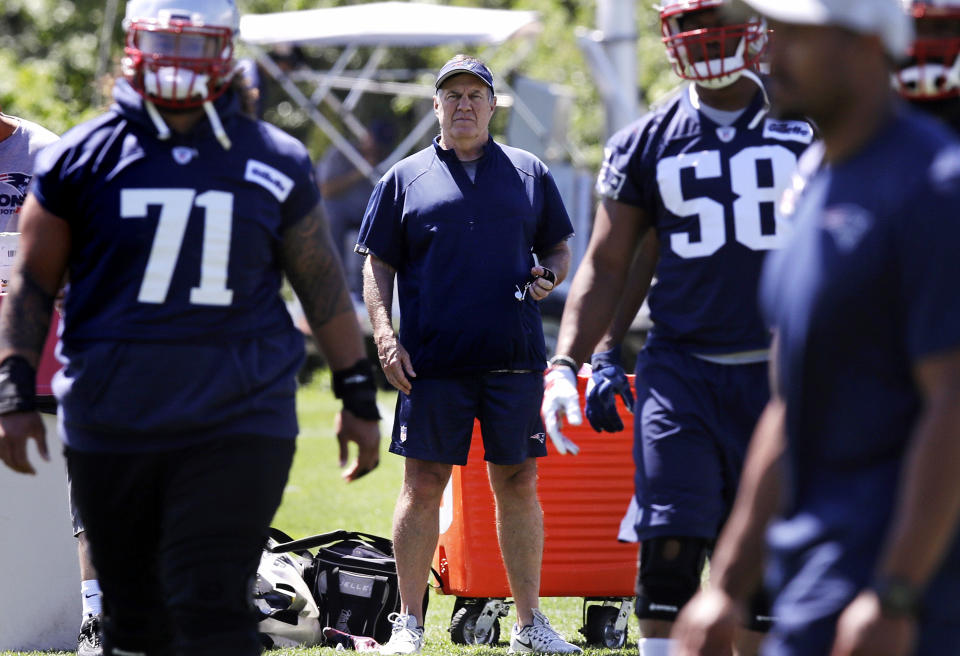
560, 395
607, 381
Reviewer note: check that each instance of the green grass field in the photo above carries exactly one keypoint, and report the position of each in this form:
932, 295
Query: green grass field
317, 500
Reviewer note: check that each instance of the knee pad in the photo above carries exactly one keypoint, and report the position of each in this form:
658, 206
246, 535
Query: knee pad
669, 575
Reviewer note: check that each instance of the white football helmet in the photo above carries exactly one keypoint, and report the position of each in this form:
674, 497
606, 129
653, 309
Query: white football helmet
932, 70
179, 53
713, 57
288, 613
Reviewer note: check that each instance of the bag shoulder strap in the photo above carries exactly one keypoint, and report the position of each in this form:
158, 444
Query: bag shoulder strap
383, 544
279, 536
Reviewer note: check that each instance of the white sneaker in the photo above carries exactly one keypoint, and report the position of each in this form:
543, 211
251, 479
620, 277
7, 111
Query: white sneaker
88, 642
539, 638
407, 637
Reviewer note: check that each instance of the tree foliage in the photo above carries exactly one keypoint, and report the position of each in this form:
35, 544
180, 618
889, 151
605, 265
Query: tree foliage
50, 51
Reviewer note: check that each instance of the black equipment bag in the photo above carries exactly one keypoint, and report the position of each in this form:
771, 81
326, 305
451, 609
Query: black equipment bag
353, 578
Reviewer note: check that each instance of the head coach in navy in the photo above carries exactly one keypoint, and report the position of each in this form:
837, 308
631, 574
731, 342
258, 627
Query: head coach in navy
475, 234
854, 462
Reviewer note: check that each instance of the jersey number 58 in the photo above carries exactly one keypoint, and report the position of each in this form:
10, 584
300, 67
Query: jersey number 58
744, 182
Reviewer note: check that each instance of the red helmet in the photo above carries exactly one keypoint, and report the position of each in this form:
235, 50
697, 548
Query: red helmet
179, 53
932, 70
713, 57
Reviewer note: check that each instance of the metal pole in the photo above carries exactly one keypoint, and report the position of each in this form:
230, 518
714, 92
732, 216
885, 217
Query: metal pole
617, 23
103, 56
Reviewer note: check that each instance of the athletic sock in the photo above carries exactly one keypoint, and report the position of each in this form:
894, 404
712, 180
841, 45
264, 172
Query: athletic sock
655, 646
92, 598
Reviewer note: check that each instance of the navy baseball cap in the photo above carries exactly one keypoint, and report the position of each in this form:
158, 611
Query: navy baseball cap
460, 64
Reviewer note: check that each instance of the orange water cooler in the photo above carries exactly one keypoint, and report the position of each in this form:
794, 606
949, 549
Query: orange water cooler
584, 498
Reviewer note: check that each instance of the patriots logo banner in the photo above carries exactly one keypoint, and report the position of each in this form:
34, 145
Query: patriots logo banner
19, 181
13, 191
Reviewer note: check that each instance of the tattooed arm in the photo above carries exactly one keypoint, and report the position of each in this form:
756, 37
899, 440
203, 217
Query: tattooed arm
316, 274
25, 318
314, 269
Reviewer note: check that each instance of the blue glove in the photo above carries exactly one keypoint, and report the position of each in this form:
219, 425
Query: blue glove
607, 381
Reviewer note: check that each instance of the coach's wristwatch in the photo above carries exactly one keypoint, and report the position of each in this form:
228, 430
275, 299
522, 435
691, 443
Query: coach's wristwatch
898, 598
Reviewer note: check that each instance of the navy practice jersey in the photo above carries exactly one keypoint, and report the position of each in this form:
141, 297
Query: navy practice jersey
174, 246
462, 250
865, 290
711, 193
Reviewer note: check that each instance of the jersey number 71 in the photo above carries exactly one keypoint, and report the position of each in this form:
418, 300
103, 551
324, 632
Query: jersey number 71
175, 207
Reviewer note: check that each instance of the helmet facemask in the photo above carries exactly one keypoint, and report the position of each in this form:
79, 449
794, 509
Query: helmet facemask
177, 64
713, 57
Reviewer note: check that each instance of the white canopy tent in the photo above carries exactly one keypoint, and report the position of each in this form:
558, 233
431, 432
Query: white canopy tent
387, 24
380, 25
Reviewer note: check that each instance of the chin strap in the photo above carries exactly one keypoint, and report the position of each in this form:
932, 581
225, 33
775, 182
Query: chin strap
163, 131
751, 75
217, 125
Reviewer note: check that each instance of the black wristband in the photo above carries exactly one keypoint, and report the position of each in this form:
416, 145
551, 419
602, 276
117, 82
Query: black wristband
898, 598
358, 391
564, 361
18, 385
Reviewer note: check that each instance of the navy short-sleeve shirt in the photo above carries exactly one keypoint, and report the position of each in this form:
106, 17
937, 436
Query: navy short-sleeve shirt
865, 290
174, 239
462, 249
711, 194
174, 330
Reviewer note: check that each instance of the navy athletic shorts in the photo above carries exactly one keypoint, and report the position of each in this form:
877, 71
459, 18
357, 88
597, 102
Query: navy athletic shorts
693, 421
435, 421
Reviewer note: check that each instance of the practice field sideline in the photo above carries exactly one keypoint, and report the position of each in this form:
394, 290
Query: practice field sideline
316, 500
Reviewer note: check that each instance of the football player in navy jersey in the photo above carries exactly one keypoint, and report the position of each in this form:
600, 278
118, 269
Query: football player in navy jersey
855, 458
703, 170
175, 216
930, 75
